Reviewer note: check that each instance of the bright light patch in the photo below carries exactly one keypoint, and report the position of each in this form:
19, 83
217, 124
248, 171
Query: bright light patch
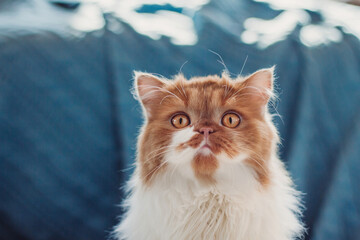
193, 4
334, 14
42, 15
344, 15
315, 35
267, 32
88, 18
294, 4
178, 27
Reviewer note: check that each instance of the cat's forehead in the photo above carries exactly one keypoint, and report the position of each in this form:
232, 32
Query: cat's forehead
211, 82
204, 93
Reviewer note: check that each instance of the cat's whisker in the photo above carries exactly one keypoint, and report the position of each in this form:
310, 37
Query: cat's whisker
259, 164
172, 173
158, 151
174, 84
182, 87
173, 94
255, 153
256, 160
227, 90
165, 98
158, 75
149, 94
152, 172
234, 94
221, 61
166, 151
160, 89
259, 92
157, 169
128, 168
244, 64
275, 109
250, 94
157, 155
180, 70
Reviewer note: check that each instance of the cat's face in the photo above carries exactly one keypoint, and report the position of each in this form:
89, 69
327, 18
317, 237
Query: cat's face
205, 126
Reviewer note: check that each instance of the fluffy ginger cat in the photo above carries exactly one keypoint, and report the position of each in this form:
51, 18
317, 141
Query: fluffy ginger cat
207, 165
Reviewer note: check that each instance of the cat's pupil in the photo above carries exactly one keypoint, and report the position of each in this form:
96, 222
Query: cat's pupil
180, 120
230, 120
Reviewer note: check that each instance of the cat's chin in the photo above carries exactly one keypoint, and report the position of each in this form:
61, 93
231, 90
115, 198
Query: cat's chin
205, 164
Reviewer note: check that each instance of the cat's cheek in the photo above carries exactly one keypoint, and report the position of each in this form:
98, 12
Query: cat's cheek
179, 158
182, 136
179, 163
176, 153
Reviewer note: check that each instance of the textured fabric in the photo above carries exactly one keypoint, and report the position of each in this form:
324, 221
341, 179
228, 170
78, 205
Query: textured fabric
68, 121
59, 165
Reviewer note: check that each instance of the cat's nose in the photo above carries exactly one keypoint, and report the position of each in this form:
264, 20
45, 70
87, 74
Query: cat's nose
206, 131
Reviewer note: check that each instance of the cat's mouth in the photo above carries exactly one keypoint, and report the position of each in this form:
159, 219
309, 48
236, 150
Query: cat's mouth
205, 148
206, 145
203, 145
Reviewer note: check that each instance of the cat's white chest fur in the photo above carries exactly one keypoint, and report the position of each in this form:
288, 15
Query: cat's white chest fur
184, 210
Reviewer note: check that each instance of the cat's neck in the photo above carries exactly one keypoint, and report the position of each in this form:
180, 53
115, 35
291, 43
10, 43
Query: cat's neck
175, 207
200, 211
230, 181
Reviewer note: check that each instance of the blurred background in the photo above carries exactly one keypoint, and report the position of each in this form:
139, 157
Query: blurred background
68, 122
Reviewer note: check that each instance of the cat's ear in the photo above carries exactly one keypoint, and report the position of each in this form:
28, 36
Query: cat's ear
260, 85
148, 89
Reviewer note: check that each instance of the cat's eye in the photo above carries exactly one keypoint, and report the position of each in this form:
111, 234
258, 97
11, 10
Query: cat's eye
180, 120
231, 120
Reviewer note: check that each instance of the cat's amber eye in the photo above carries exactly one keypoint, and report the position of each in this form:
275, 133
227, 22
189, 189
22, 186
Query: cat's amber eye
180, 120
231, 120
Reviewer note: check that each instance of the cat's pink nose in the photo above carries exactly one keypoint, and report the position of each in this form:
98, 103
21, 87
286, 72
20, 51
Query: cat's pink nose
206, 131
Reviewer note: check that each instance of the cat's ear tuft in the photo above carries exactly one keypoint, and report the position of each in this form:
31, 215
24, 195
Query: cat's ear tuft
260, 85
148, 89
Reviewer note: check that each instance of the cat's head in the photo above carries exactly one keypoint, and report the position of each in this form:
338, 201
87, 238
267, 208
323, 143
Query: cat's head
205, 127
